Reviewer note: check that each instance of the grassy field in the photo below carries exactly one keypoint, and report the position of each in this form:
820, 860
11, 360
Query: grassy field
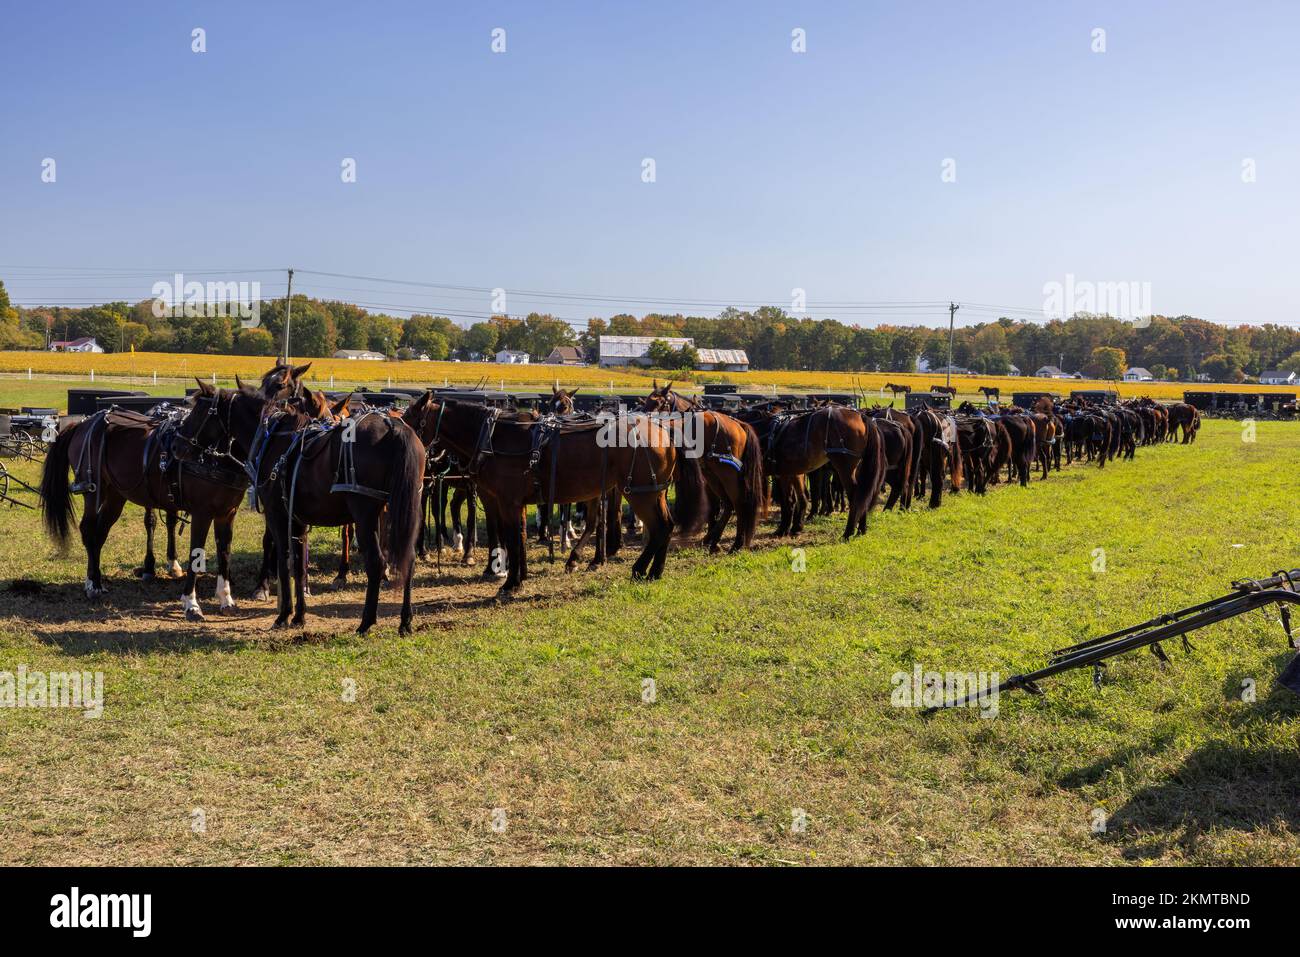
518, 733
140, 368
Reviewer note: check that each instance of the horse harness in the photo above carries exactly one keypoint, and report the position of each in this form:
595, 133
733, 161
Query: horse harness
160, 427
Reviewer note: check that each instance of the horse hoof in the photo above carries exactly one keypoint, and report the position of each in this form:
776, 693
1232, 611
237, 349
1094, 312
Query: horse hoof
176, 571
230, 609
280, 624
261, 595
193, 614
338, 583
144, 576
569, 567
470, 561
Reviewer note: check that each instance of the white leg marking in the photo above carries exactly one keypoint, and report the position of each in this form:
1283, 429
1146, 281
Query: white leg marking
224, 597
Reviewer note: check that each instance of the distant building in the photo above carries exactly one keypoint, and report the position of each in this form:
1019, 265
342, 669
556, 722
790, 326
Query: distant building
360, 354
950, 370
1051, 372
1277, 377
635, 350
1138, 374
512, 357
1013, 370
566, 356
722, 360
84, 344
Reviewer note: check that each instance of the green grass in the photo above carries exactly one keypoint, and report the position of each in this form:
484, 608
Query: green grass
773, 693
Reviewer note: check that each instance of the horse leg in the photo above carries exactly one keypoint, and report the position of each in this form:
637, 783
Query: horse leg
345, 555
146, 571
199, 524
263, 590
368, 540
224, 529
800, 505
652, 509
298, 552
471, 527
174, 570
587, 530
94, 532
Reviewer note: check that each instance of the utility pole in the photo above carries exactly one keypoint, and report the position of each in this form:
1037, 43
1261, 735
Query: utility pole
288, 306
952, 315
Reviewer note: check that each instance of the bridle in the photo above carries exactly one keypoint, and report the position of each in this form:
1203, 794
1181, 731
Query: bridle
214, 414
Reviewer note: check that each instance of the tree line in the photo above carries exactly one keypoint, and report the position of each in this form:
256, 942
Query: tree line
1170, 347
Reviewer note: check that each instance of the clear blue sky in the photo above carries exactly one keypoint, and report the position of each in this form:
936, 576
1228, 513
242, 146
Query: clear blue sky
775, 170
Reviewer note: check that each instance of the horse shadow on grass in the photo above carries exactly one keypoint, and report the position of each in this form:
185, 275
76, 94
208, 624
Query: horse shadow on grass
1221, 786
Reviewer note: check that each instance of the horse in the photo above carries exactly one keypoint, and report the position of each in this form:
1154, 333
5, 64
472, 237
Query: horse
902, 454
977, 439
949, 390
118, 457
898, 389
1021, 452
991, 394
1186, 417
316, 405
797, 444
311, 473
515, 463
732, 464
939, 451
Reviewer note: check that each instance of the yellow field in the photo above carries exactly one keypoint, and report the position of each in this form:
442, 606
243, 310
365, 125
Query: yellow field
350, 372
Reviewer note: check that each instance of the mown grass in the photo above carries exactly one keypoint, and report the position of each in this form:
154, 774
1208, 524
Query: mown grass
772, 694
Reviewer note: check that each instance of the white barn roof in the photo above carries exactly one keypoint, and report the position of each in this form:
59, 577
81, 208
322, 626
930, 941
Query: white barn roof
729, 357
634, 347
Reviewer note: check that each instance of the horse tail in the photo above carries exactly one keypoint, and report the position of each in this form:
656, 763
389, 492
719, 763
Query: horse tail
691, 507
56, 496
871, 471
405, 502
752, 497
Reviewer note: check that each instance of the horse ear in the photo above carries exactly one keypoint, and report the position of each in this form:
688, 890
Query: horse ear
339, 407
239, 383
656, 385
574, 392
300, 371
668, 388
205, 388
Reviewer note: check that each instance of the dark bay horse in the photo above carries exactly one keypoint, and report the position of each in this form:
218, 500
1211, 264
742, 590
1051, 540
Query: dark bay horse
516, 461
902, 454
119, 457
940, 453
732, 463
311, 473
796, 444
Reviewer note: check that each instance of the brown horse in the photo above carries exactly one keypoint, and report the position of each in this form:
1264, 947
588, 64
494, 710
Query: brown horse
119, 457
797, 444
991, 394
1186, 417
949, 390
515, 463
898, 389
311, 474
733, 466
